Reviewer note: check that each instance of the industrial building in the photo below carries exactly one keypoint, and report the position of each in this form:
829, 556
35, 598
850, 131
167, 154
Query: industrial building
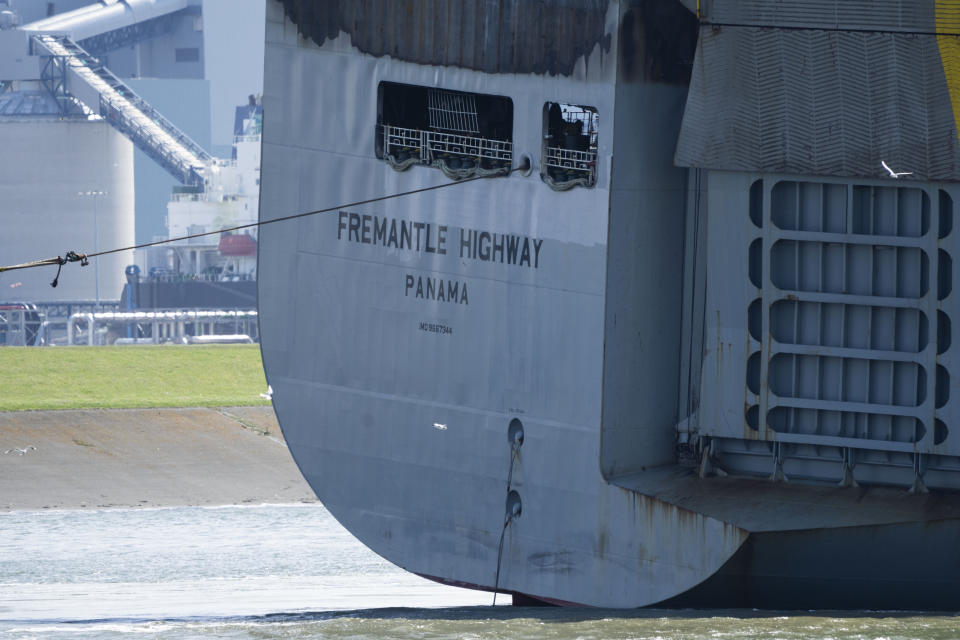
92, 158
70, 124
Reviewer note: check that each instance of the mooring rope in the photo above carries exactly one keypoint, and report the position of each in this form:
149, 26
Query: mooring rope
84, 258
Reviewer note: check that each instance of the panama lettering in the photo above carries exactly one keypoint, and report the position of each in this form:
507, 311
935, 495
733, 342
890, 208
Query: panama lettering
436, 289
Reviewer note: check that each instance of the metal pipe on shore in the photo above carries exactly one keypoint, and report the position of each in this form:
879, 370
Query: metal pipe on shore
170, 323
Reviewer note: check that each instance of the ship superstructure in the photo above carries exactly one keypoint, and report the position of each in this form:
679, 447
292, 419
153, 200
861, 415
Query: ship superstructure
229, 199
674, 328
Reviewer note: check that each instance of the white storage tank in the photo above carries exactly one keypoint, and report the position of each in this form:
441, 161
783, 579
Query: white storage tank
65, 185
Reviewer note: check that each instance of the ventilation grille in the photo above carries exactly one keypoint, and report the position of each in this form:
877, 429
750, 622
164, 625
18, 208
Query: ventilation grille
849, 361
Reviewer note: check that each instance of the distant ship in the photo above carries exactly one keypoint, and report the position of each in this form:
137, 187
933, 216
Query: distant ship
668, 318
208, 271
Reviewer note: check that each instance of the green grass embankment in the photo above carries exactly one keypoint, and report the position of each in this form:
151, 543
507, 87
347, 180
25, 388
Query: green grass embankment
33, 378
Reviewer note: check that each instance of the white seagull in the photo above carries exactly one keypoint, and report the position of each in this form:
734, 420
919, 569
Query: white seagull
439, 426
19, 451
895, 174
269, 394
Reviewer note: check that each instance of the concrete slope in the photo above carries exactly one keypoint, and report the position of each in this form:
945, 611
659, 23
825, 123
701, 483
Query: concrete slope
145, 457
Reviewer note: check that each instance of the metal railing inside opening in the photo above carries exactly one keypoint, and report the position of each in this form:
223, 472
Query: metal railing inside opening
570, 145
405, 147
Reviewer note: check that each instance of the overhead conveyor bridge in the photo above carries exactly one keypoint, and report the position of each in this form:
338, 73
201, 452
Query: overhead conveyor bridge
81, 84
70, 73
105, 17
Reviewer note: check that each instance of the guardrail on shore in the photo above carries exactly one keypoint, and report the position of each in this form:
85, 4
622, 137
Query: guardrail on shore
19, 324
178, 325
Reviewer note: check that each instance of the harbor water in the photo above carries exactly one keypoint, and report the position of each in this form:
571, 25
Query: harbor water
290, 571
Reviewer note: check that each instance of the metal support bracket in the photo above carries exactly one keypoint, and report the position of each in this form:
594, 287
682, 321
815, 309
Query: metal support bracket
53, 77
708, 463
778, 475
847, 479
919, 467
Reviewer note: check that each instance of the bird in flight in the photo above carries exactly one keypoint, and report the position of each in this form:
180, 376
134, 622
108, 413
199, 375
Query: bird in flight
895, 174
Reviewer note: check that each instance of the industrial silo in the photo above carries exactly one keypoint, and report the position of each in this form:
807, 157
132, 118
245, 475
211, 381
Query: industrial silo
66, 184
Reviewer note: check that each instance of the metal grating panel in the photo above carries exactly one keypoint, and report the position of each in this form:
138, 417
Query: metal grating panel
816, 102
849, 365
917, 16
453, 111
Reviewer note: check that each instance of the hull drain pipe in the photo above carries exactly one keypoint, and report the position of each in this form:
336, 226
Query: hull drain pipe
514, 506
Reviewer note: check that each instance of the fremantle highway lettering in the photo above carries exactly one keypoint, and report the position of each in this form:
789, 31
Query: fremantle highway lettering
425, 237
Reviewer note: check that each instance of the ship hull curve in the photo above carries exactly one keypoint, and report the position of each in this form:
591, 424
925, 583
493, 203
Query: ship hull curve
397, 405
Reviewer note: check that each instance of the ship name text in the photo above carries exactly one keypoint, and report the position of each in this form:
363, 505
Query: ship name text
426, 237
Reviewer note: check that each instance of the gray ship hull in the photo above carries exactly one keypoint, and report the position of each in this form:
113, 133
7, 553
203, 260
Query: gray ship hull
865, 567
592, 308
